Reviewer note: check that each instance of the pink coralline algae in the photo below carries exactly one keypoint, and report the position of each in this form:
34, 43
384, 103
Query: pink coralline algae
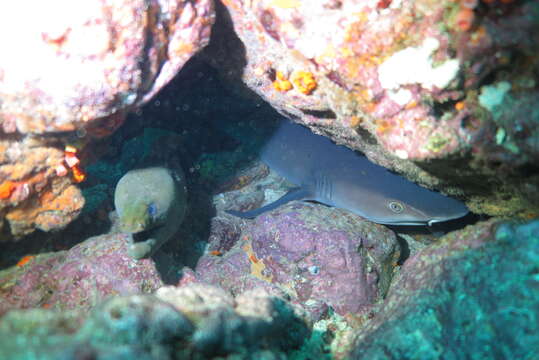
406, 82
317, 256
79, 278
66, 69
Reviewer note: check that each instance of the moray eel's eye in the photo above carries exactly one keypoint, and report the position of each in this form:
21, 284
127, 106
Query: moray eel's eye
152, 210
396, 207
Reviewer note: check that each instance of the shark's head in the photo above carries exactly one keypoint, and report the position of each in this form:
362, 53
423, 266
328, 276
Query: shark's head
398, 212
419, 207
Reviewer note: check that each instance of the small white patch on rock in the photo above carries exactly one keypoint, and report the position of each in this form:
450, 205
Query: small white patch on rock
500, 135
401, 154
401, 96
395, 4
413, 65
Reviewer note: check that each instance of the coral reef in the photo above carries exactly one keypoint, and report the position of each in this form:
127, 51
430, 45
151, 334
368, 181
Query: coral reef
442, 92
79, 278
473, 294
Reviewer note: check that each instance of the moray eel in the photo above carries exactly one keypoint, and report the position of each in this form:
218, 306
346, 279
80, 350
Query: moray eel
150, 202
337, 176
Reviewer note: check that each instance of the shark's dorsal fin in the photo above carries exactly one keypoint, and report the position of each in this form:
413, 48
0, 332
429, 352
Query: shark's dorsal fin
299, 193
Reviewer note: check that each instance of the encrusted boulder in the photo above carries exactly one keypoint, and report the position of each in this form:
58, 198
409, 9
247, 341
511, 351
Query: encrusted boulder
317, 256
473, 294
255, 326
94, 59
79, 278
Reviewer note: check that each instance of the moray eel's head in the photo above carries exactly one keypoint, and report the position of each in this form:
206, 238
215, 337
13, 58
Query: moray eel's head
138, 217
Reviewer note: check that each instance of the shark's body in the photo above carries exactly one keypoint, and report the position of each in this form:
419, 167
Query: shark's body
337, 176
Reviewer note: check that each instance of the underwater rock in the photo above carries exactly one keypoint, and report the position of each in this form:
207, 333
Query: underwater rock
243, 177
255, 318
38, 333
224, 233
90, 55
276, 326
272, 316
318, 256
32, 195
78, 278
150, 202
461, 119
196, 300
57, 207
260, 326
140, 320
134, 327
473, 294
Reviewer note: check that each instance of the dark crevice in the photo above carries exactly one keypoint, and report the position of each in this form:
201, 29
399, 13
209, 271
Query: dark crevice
366, 136
529, 170
441, 108
321, 114
404, 250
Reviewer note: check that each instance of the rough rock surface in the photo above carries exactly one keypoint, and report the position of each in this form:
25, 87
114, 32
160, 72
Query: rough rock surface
71, 76
95, 59
461, 118
79, 278
318, 256
255, 326
473, 295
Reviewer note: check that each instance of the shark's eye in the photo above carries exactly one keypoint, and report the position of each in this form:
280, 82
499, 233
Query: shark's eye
396, 207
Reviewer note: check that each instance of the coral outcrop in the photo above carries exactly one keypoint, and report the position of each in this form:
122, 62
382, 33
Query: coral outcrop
79, 278
473, 294
255, 325
319, 257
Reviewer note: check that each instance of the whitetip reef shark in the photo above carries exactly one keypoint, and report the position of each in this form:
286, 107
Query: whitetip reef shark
338, 176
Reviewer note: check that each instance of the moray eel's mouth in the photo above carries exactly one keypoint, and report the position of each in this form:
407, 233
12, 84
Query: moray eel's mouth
133, 227
135, 218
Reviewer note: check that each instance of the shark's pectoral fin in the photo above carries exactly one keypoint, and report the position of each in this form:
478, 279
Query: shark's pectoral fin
299, 193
